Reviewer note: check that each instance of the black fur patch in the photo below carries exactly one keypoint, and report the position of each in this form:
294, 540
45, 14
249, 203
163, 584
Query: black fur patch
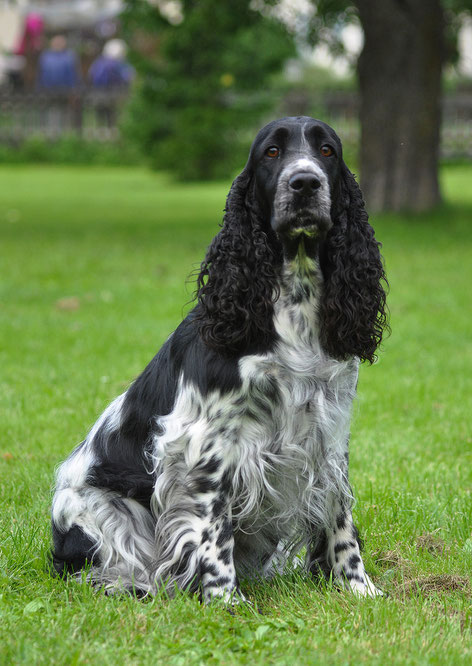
72, 550
341, 521
354, 561
202, 484
207, 567
220, 582
219, 505
318, 563
225, 534
344, 545
353, 576
211, 466
225, 555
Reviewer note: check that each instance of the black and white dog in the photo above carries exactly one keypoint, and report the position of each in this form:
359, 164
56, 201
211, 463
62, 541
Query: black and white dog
229, 454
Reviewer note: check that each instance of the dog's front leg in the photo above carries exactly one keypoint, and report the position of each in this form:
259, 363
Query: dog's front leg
344, 553
335, 551
335, 547
218, 575
194, 532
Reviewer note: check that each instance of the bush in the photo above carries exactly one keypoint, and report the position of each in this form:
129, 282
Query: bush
69, 149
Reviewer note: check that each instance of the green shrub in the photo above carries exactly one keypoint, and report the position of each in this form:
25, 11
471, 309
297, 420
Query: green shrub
205, 85
69, 149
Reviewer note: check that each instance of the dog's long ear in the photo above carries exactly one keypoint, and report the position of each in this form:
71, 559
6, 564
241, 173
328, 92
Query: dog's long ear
237, 282
353, 309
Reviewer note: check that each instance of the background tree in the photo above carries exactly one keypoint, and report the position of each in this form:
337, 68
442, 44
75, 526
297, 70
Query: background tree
202, 81
406, 44
399, 73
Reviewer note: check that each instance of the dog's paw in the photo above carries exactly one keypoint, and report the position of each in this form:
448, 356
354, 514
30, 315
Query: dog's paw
228, 597
364, 588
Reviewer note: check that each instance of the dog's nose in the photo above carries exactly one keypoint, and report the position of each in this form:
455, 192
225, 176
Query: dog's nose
304, 183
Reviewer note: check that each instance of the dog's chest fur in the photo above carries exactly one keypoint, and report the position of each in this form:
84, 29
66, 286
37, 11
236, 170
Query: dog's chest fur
278, 435
294, 447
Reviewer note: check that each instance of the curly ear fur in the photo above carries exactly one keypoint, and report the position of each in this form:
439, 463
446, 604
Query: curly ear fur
237, 283
353, 308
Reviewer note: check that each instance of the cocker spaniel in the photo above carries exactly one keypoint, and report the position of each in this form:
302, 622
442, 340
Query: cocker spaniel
228, 455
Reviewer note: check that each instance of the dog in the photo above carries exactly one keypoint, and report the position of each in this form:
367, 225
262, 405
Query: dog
228, 456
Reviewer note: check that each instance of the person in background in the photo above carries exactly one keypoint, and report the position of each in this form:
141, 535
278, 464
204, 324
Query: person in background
57, 67
58, 80
109, 75
110, 69
27, 52
32, 35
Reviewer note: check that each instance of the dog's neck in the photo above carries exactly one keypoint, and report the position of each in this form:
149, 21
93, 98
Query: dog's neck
301, 282
300, 248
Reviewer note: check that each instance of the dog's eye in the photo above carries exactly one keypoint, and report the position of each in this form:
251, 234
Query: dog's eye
273, 151
326, 150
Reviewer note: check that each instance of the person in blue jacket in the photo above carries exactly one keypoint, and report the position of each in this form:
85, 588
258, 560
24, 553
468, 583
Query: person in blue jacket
110, 69
57, 67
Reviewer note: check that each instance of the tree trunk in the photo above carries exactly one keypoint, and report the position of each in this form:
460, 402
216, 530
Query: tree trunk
400, 84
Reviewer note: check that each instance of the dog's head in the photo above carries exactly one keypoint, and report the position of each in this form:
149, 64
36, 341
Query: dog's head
295, 187
296, 164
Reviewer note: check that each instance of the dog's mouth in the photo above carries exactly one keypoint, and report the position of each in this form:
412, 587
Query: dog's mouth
310, 230
299, 224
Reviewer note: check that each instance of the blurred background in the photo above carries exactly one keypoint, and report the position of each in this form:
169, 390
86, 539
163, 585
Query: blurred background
151, 82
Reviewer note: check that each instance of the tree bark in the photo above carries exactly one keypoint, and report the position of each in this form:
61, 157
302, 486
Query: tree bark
400, 85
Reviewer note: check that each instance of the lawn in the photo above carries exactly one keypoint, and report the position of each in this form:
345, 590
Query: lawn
93, 277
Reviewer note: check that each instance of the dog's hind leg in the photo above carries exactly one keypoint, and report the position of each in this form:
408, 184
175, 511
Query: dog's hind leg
112, 534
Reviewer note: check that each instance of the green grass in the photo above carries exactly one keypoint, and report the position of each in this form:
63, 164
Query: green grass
93, 265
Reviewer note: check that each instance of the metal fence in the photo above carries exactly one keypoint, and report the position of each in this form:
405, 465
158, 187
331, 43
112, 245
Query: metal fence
94, 115
91, 114
456, 130
341, 109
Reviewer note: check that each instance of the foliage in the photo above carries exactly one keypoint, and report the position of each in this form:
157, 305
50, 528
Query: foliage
202, 84
327, 22
93, 269
68, 149
331, 15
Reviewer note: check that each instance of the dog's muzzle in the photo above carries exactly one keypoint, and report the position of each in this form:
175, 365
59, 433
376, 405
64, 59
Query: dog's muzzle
302, 204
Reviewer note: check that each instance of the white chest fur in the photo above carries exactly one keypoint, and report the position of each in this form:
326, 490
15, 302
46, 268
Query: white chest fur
311, 390
293, 447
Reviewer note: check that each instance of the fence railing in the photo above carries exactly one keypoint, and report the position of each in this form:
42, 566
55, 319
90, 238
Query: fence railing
94, 115
341, 109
